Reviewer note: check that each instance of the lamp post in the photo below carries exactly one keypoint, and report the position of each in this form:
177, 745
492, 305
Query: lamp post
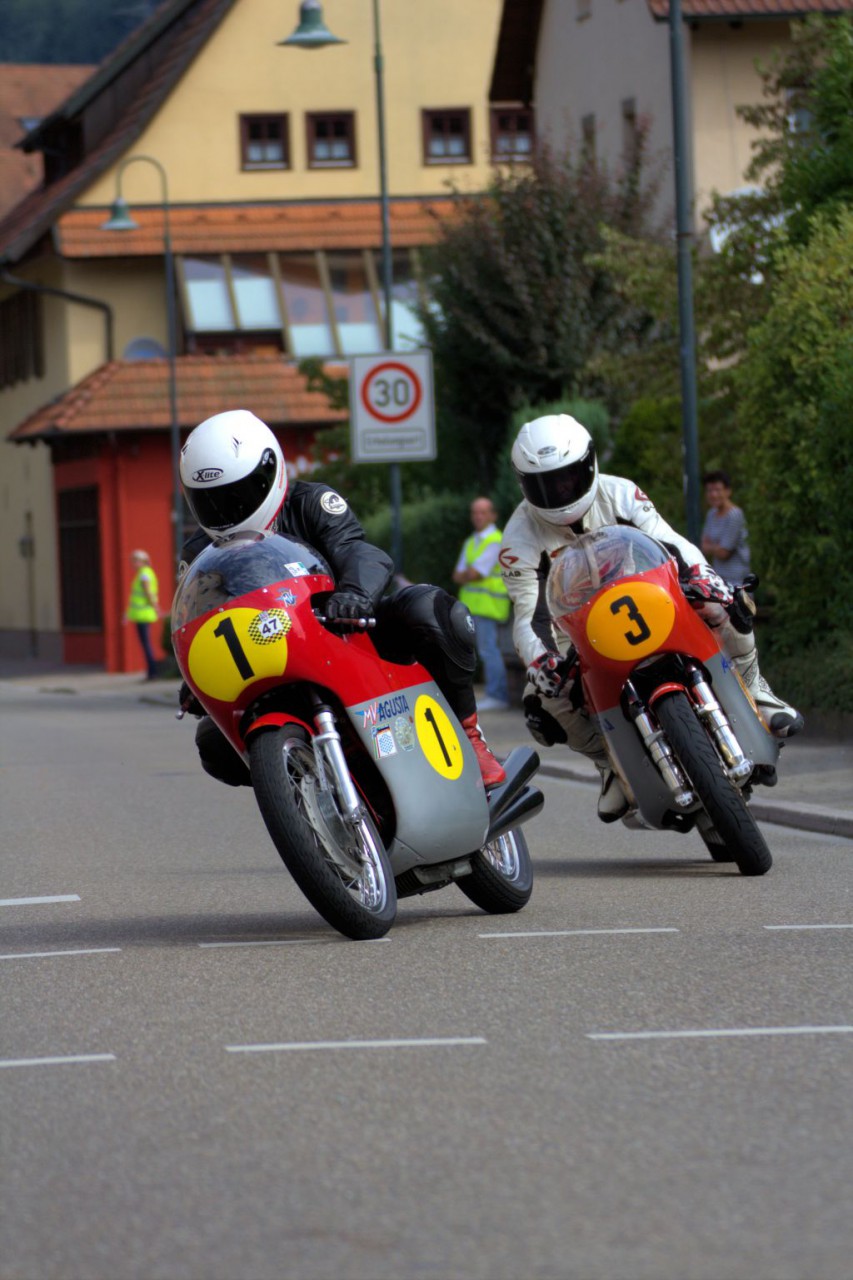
312, 33
120, 220
684, 239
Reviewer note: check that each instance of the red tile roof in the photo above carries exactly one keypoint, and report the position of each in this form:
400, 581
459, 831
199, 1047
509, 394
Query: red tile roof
28, 92
134, 396
242, 228
734, 9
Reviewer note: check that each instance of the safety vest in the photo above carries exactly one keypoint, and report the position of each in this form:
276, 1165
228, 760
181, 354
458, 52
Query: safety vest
487, 597
138, 608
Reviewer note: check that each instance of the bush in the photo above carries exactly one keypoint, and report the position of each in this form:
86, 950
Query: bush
433, 532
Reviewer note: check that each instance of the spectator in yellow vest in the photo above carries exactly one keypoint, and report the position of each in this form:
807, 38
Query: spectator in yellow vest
143, 606
482, 589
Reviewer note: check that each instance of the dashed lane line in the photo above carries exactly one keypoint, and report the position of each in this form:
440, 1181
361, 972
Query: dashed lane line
780, 927
721, 1032
302, 1046
567, 933
32, 902
59, 1061
42, 955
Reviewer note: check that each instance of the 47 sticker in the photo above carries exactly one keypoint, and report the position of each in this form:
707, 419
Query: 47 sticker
234, 649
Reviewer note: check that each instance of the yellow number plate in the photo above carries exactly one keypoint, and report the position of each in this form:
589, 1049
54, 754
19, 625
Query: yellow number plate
437, 737
630, 621
232, 650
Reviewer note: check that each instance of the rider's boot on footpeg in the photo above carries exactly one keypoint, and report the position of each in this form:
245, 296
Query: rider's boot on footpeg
490, 767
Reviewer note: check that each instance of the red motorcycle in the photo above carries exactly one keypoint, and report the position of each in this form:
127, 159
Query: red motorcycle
364, 777
679, 727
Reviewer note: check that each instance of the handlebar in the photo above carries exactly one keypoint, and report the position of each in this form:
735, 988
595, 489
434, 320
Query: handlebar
355, 624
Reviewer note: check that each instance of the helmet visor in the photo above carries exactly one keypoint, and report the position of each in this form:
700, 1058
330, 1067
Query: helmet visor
553, 490
223, 506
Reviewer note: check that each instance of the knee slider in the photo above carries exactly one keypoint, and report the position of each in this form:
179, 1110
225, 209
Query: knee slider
541, 725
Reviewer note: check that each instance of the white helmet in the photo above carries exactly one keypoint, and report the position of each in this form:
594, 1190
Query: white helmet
554, 459
233, 473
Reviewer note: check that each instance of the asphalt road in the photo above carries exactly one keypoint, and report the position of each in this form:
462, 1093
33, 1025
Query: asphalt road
644, 1074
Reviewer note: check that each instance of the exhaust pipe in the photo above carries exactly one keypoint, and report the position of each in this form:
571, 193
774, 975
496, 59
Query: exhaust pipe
519, 766
524, 806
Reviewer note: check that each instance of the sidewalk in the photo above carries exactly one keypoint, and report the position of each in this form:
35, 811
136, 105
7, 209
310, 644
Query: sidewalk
814, 793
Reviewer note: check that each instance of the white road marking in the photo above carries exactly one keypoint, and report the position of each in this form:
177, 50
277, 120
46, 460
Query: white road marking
286, 942
718, 1031
808, 926
301, 1046
50, 1062
31, 902
567, 933
38, 955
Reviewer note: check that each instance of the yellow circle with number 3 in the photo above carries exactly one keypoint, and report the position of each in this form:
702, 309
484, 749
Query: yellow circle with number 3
235, 648
630, 621
438, 739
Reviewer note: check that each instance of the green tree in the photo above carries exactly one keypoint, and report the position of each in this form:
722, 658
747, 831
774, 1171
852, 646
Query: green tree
795, 443
517, 303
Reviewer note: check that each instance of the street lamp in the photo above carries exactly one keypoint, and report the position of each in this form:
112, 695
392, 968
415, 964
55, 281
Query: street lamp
120, 220
312, 33
684, 239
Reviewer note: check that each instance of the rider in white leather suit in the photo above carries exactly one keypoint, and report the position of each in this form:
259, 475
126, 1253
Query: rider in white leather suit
555, 460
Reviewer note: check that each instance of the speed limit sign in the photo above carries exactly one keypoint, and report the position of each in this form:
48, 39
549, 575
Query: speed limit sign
391, 408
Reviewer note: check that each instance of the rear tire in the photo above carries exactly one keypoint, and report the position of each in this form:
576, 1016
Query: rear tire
501, 879
342, 868
739, 839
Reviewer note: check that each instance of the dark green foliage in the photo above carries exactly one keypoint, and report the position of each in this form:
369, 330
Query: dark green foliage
816, 677
66, 31
795, 434
649, 450
518, 304
433, 532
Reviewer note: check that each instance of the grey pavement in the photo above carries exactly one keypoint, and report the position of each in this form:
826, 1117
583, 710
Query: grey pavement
814, 792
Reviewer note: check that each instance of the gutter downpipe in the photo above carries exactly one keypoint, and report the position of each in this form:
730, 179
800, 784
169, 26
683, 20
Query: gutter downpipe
17, 282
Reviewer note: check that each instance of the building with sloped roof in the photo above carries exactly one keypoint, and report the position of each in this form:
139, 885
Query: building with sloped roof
257, 163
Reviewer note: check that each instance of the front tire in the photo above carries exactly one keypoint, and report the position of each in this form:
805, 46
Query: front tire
342, 868
501, 879
739, 839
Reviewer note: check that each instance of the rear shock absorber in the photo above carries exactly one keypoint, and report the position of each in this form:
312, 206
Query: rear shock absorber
738, 765
655, 742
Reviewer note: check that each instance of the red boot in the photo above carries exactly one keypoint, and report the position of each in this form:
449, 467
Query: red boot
490, 767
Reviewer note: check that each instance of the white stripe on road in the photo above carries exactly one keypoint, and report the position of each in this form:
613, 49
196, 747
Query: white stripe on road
39, 955
51, 1062
31, 902
286, 942
718, 1031
808, 926
567, 933
297, 1046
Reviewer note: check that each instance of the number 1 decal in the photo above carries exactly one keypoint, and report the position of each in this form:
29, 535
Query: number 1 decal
437, 737
226, 629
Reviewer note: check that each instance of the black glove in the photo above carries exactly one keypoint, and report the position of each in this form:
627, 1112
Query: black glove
188, 702
347, 607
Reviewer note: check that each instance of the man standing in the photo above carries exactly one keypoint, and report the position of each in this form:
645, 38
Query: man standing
143, 606
482, 589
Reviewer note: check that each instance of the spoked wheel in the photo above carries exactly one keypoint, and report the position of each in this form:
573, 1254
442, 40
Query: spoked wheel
340, 866
737, 838
501, 879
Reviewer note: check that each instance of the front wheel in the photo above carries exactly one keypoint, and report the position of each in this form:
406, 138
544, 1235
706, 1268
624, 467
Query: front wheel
738, 838
501, 879
340, 866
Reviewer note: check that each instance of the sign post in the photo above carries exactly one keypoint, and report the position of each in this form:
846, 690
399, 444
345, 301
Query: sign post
392, 417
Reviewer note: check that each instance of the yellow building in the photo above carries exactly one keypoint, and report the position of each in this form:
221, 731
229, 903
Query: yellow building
260, 161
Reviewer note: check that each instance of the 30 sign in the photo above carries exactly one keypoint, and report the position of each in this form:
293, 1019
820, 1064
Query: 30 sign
391, 408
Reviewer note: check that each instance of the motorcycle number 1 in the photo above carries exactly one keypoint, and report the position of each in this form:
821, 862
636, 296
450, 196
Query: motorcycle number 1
437, 737
630, 620
233, 649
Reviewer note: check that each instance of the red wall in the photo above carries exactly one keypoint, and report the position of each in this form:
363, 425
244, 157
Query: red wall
133, 474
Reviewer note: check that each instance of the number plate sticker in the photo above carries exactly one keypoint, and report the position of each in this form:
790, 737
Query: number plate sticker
233, 649
630, 621
438, 738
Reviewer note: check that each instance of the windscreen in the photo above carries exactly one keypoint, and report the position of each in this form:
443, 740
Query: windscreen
231, 568
596, 559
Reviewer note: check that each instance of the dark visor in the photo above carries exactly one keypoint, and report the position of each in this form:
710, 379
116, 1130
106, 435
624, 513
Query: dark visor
224, 505
551, 490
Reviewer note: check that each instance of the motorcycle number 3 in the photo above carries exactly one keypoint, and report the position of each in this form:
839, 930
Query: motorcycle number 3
630, 620
233, 649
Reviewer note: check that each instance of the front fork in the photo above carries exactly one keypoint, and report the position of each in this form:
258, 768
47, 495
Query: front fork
329, 753
737, 765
